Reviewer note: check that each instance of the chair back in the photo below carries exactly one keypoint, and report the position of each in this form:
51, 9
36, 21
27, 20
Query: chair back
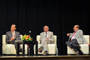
87, 37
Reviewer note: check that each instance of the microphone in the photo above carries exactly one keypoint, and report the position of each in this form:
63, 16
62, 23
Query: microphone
30, 33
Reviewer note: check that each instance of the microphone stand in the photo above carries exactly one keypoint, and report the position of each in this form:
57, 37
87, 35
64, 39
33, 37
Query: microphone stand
30, 33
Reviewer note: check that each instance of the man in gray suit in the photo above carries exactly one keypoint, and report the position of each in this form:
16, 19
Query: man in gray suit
46, 37
75, 39
12, 36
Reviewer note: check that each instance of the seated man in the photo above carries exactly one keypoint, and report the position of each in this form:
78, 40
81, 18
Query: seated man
46, 37
12, 36
75, 39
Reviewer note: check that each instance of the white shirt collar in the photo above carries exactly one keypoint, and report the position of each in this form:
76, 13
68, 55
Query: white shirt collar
45, 32
13, 31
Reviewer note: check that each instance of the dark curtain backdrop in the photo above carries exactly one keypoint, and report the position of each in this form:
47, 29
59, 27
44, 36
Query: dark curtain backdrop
32, 15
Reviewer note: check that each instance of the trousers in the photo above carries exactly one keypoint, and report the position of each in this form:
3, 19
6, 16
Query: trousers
44, 43
73, 44
13, 42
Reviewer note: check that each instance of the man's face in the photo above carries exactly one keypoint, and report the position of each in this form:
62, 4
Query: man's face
46, 29
13, 28
75, 28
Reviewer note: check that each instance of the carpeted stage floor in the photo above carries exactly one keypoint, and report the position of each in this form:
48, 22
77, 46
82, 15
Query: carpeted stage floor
63, 57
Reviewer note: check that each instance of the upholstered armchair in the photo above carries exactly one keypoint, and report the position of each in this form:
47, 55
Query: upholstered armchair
51, 47
10, 48
84, 47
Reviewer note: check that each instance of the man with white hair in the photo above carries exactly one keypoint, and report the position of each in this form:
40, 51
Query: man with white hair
46, 37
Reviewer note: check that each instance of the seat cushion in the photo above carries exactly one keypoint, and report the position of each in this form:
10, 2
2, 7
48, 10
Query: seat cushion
51, 49
10, 49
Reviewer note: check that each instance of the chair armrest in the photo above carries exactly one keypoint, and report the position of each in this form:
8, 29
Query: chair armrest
84, 45
3, 43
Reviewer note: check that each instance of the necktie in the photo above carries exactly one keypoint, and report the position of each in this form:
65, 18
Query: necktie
73, 35
46, 35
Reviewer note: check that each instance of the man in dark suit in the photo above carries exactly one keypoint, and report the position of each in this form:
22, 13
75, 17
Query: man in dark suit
12, 36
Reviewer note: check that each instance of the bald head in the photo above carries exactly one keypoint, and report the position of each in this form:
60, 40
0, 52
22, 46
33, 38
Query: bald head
46, 28
76, 27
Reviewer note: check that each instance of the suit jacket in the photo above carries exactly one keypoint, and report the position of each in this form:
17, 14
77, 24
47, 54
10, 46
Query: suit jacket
9, 35
50, 35
79, 37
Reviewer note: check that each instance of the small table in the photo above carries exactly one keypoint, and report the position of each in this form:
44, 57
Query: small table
31, 43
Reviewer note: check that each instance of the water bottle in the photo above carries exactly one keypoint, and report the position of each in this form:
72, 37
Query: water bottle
56, 51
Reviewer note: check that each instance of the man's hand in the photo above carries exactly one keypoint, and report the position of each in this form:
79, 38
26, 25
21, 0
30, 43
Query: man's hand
68, 34
47, 38
12, 38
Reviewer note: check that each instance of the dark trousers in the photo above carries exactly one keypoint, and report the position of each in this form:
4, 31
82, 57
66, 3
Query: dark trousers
13, 42
74, 45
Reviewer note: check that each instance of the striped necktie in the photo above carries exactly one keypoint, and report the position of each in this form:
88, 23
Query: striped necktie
46, 35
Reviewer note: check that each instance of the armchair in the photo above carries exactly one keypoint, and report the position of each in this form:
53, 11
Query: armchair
84, 47
51, 47
10, 48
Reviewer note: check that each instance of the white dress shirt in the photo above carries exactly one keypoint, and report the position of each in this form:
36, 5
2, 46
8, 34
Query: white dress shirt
73, 36
13, 34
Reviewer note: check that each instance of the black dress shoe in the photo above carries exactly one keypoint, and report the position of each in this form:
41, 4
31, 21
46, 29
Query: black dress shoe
45, 53
80, 53
40, 49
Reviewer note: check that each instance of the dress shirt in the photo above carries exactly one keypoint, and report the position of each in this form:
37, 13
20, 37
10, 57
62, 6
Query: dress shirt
73, 36
13, 34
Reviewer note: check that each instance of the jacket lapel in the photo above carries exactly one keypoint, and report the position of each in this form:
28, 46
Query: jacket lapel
10, 33
15, 33
48, 34
71, 35
76, 33
43, 34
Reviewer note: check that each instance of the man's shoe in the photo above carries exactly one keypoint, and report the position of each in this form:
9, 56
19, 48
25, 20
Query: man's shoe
80, 53
40, 49
45, 53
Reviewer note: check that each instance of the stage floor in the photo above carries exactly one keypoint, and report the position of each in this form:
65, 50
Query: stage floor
62, 57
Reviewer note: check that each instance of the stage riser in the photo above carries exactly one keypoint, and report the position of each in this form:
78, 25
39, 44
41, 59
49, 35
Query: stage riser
88, 58
64, 57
